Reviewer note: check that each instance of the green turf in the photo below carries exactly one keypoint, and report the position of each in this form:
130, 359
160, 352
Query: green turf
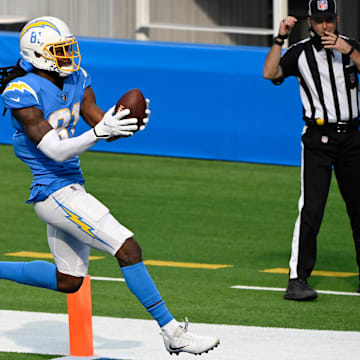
193, 211
17, 356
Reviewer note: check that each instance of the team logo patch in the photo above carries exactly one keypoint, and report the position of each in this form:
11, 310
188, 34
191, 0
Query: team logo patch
322, 5
39, 24
79, 222
324, 139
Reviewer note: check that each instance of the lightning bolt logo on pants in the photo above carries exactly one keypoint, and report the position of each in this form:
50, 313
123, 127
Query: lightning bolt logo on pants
77, 220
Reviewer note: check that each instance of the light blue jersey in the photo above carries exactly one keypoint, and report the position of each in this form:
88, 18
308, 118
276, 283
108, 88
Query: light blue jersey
61, 108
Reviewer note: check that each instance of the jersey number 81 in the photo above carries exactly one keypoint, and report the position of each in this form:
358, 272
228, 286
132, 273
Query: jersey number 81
64, 121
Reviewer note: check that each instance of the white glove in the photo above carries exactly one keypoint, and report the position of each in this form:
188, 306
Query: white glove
145, 120
114, 125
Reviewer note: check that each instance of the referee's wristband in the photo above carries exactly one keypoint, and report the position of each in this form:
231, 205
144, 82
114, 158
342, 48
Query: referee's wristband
350, 52
277, 41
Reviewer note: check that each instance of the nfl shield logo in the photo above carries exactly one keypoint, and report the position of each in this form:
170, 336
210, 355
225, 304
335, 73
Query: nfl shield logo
322, 5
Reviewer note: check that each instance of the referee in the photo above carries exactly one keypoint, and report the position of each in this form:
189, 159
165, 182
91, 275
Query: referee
326, 65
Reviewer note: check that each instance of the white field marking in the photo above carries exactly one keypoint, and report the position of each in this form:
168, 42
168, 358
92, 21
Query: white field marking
116, 338
244, 287
100, 278
258, 288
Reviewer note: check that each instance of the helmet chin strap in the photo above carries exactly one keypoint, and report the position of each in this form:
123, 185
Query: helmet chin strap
64, 74
62, 71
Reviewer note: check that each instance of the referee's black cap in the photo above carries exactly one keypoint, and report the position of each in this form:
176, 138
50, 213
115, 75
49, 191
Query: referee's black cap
320, 8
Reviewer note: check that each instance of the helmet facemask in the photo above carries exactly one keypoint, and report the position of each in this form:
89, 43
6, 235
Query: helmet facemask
65, 54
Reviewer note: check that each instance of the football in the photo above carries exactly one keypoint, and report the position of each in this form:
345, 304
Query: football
133, 100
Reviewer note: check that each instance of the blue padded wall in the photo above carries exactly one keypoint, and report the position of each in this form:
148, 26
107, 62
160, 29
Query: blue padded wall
208, 102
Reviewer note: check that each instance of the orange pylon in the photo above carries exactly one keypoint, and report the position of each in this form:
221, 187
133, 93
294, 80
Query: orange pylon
80, 321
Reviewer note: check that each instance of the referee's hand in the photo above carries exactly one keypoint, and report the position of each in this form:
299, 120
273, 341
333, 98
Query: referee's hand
333, 41
287, 25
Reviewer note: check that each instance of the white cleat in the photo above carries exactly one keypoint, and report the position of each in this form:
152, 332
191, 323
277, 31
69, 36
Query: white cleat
185, 341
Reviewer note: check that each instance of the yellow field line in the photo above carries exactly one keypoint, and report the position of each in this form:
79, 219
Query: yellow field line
315, 272
186, 264
40, 255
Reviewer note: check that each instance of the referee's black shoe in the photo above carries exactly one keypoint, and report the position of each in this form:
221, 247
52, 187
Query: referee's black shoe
298, 289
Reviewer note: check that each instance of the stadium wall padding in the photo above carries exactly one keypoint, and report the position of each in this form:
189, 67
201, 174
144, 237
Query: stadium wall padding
207, 102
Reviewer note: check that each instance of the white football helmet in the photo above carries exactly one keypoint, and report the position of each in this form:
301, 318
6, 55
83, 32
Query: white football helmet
48, 44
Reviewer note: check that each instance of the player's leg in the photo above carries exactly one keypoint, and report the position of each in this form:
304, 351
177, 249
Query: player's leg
75, 212
71, 254
176, 337
82, 216
316, 169
34, 273
141, 284
71, 258
347, 171
68, 254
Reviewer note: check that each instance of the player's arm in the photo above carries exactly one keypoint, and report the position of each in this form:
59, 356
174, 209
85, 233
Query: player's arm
93, 114
33, 122
47, 140
89, 110
272, 69
96, 118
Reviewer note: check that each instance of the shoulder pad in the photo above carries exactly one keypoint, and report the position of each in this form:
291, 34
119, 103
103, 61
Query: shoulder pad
19, 94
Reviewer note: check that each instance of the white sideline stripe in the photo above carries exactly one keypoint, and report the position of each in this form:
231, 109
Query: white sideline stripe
327, 292
130, 339
106, 278
244, 287
83, 358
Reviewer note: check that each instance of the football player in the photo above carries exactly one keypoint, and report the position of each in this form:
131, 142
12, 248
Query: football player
47, 92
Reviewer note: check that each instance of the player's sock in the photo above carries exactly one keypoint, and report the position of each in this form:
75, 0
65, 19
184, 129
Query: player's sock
170, 328
142, 286
35, 273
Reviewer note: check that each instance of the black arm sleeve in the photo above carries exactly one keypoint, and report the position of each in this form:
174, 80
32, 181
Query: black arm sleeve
356, 45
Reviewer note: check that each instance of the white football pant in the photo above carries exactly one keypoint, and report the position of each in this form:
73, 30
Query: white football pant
77, 221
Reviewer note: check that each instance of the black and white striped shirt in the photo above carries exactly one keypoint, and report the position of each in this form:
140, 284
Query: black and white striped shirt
328, 80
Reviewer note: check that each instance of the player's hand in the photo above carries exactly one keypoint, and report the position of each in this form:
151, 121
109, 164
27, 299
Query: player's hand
287, 25
115, 125
147, 112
